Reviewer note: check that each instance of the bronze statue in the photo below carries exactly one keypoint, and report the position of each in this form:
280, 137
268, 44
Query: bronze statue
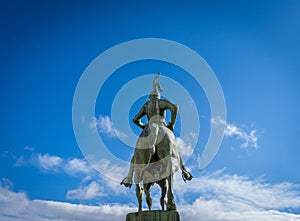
156, 157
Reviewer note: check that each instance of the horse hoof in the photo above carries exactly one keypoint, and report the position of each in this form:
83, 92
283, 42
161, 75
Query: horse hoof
171, 206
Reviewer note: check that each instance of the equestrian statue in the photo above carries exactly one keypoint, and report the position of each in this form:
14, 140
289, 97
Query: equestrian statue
156, 157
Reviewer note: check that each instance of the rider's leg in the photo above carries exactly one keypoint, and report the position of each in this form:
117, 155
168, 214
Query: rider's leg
146, 147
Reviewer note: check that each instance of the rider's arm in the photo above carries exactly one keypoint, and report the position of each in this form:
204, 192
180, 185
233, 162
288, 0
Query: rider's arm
137, 118
173, 108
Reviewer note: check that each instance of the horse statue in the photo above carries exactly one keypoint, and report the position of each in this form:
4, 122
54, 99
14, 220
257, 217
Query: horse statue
156, 157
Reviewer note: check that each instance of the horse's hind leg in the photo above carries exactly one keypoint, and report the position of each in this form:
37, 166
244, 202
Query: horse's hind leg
163, 187
164, 151
171, 202
147, 188
139, 195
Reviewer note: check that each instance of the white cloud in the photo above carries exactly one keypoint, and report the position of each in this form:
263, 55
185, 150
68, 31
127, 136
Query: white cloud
92, 191
20, 161
114, 174
104, 125
17, 207
249, 139
28, 148
184, 148
91, 186
214, 210
6, 183
221, 196
77, 166
48, 162
52, 163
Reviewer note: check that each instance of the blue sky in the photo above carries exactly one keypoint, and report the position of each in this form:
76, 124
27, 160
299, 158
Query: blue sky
253, 49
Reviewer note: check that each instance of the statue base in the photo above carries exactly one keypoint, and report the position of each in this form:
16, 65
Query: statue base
153, 215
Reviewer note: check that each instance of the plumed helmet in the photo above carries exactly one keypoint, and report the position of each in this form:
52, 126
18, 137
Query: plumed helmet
156, 87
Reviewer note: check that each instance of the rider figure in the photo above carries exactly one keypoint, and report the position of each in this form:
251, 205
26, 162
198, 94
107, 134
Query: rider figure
155, 110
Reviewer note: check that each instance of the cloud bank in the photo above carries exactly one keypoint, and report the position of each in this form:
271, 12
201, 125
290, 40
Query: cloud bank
211, 196
17, 207
216, 195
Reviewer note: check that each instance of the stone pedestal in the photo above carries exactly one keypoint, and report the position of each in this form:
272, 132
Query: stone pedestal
153, 215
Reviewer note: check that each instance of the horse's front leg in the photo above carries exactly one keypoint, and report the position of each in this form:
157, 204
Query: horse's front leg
171, 202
